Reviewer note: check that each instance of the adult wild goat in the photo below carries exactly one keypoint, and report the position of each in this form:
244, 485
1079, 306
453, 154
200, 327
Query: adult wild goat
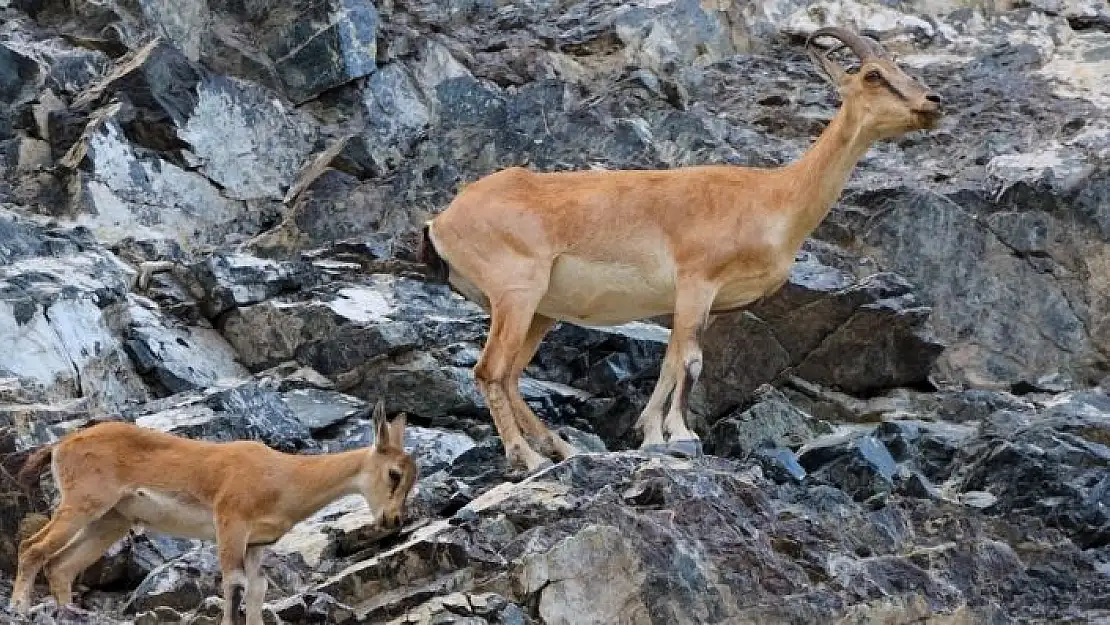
609, 247
241, 494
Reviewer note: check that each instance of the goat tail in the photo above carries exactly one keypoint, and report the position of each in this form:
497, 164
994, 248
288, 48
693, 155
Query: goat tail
438, 269
34, 466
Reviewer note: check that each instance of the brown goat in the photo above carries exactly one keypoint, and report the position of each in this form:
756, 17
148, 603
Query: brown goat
241, 494
609, 247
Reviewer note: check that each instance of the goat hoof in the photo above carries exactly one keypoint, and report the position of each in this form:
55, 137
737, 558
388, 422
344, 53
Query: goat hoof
19, 606
686, 448
655, 449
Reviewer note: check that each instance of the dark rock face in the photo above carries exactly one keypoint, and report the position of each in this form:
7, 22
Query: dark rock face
208, 220
860, 336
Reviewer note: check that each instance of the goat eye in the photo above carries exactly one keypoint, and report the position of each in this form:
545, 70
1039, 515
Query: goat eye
394, 477
873, 76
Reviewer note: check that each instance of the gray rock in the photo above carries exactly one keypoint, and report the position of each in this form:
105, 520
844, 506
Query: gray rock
235, 280
672, 35
859, 464
319, 409
179, 358
323, 45
179, 585
772, 419
64, 300
245, 140
1051, 463
244, 410
965, 269
336, 335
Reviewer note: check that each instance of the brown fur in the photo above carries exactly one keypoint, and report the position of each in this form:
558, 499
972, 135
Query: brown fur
608, 247
242, 494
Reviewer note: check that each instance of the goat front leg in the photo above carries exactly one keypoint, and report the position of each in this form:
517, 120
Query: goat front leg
231, 543
692, 307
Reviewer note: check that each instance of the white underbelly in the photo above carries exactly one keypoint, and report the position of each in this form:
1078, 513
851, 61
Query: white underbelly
168, 513
603, 293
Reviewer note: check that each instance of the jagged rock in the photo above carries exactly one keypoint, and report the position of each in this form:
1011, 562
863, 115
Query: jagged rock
672, 35
858, 464
564, 520
321, 45
179, 585
63, 302
860, 336
188, 140
1050, 464
170, 105
235, 280
963, 255
779, 463
127, 563
246, 410
352, 326
464, 608
179, 358
772, 419
319, 409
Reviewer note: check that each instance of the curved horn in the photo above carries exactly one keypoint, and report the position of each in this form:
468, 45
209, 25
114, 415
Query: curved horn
863, 48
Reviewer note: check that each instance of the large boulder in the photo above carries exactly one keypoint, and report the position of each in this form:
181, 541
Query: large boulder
861, 336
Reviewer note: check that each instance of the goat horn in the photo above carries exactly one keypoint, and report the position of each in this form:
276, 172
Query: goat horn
863, 47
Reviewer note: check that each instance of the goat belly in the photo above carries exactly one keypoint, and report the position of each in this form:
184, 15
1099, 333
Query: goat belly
606, 293
176, 514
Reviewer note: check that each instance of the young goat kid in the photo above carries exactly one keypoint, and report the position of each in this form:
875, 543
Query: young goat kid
609, 247
241, 494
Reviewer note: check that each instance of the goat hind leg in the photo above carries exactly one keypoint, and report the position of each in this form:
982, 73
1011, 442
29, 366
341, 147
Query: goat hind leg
89, 545
68, 520
510, 317
535, 430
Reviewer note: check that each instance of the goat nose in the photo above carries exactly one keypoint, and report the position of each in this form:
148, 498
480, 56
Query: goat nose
933, 97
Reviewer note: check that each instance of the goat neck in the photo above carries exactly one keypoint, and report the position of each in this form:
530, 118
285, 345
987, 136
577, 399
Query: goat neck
326, 477
821, 173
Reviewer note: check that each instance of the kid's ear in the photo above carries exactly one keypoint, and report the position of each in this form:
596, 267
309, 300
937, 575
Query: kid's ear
382, 437
397, 430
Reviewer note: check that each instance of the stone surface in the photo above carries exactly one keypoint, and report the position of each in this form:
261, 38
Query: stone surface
179, 358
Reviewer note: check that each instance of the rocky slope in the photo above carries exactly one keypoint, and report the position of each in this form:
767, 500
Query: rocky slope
912, 431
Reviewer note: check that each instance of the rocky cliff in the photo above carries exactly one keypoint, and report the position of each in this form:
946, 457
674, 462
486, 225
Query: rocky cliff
912, 431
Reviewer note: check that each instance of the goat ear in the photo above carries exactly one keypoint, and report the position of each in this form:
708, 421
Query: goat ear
397, 430
381, 426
